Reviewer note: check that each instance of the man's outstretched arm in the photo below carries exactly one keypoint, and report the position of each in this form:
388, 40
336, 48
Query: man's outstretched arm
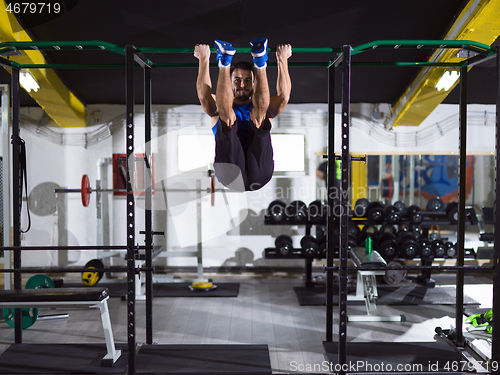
203, 82
283, 84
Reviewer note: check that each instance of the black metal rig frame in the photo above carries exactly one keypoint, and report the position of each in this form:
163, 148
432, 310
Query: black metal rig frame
134, 58
344, 60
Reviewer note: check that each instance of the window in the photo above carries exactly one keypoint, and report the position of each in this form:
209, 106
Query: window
195, 151
289, 152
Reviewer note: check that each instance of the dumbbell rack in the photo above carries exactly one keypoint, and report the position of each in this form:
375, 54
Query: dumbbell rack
270, 252
429, 219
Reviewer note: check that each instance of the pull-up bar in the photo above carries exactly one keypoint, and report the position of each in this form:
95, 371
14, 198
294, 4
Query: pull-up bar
240, 50
424, 44
61, 46
480, 48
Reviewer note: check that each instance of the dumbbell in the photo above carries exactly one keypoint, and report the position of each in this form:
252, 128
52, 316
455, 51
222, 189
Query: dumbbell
452, 212
415, 229
388, 247
284, 245
317, 212
425, 248
297, 212
450, 249
310, 248
433, 236
276, 211
369, 229
393, 214
438, 248
388, 228
360, 207
408, 245
401, 206
435, 204
414, 214
375, 213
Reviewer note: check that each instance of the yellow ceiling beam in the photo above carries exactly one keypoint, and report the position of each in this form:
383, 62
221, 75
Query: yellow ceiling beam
480, 22
58, 102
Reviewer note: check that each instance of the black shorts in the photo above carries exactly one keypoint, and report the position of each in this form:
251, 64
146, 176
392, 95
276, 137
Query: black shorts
239, 168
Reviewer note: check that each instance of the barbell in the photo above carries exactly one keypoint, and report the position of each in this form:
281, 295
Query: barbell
28, 315
86, 190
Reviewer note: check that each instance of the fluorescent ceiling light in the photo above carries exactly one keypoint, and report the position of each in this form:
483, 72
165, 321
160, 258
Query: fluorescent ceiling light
28, 82
447, 80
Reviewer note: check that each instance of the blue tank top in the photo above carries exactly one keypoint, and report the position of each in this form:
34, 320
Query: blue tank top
243, 117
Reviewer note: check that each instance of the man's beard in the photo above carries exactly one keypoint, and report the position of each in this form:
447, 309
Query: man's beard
243, 95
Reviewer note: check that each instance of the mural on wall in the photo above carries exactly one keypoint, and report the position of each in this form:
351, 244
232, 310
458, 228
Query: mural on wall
439, 177
436, 176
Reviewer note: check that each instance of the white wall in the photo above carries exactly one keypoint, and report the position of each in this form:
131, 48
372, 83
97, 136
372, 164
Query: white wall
234, 233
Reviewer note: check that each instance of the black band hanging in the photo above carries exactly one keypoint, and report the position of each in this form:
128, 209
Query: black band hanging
15, 140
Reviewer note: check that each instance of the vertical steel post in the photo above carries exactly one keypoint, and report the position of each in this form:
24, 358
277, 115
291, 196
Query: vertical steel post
495, 343
331, 222
148, 200
462, 150
6, 191
199, 233
129, 103
344, 203
16, 192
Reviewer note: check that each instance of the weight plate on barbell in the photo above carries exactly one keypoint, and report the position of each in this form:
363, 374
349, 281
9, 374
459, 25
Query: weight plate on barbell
28, 317
393, 277
91, 278
85, 190
39, 281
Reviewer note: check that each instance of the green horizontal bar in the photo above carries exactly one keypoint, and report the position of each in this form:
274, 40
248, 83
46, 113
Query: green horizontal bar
396, 44
73, 45
99, 45
410, 64
72, 66
241, 50
156, 65
214, 65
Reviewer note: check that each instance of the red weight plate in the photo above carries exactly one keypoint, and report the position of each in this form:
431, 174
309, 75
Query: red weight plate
85, 192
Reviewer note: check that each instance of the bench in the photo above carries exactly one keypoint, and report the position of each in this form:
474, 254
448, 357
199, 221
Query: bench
67, 297
366, 285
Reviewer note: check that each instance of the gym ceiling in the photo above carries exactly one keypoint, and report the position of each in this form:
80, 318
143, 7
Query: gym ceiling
182, 24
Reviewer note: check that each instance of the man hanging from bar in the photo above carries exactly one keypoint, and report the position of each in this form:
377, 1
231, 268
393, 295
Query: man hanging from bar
242, 110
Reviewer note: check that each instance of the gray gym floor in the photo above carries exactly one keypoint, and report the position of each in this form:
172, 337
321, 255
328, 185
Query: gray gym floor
266, 311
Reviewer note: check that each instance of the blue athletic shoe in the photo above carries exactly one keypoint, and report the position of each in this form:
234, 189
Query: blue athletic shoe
225, 52
259, 52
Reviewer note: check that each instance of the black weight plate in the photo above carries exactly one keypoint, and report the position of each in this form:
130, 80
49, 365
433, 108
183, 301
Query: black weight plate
276, 211
401, 206
360, 207
283, 238
435, 204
